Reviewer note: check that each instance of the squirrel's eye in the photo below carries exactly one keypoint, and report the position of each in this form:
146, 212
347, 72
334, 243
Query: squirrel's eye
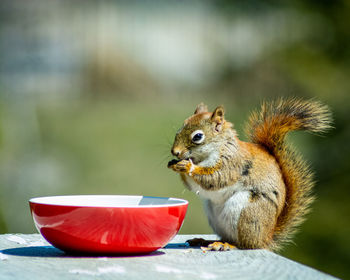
197, 136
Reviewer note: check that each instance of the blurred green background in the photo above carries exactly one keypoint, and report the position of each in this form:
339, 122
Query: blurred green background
92, 93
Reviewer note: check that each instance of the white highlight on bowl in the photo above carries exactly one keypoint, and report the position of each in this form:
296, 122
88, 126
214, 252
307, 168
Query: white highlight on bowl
109, 201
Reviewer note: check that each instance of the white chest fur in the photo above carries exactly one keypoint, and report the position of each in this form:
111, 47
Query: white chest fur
223, 207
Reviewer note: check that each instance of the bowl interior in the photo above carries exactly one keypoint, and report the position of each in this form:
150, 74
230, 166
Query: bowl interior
109, 201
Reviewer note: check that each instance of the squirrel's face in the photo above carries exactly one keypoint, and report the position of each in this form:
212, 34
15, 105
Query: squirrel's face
199, 137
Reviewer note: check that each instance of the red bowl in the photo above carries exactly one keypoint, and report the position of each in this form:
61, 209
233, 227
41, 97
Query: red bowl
108, 224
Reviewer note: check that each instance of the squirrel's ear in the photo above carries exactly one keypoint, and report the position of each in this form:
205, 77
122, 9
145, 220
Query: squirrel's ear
218, 117
201, 108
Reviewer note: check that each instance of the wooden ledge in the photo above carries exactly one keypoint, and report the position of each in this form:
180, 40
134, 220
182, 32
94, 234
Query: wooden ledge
29, 256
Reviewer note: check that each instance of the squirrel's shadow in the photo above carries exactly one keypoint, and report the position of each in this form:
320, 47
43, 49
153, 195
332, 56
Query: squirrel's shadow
50, 251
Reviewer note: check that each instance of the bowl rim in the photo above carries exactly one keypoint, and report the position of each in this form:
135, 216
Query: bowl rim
40, 200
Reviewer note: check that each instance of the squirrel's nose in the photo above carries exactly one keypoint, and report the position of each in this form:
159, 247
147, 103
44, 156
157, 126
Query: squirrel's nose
175, 152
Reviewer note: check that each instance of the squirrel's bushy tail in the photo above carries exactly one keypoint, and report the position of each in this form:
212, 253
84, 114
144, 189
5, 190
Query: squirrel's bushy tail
268, 128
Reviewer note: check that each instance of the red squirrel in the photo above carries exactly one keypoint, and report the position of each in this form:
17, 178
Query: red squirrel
255, 193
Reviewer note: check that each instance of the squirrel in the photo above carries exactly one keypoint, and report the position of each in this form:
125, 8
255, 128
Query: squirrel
255, 193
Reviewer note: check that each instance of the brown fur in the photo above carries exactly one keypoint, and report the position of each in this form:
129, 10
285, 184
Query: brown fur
278, 180
268, 129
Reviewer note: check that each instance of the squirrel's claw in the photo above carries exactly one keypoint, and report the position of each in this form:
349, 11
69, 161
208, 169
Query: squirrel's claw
210, 245
219, 246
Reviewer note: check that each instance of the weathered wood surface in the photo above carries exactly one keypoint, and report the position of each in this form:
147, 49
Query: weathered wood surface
29, 256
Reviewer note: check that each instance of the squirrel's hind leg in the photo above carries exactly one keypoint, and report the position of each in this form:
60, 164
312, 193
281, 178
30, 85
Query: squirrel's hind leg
256, 224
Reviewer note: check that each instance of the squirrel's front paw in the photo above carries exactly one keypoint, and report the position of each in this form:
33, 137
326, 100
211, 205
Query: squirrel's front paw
182, 166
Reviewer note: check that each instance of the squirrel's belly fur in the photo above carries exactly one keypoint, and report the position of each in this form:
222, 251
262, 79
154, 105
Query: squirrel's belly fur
223, 207
224, 218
